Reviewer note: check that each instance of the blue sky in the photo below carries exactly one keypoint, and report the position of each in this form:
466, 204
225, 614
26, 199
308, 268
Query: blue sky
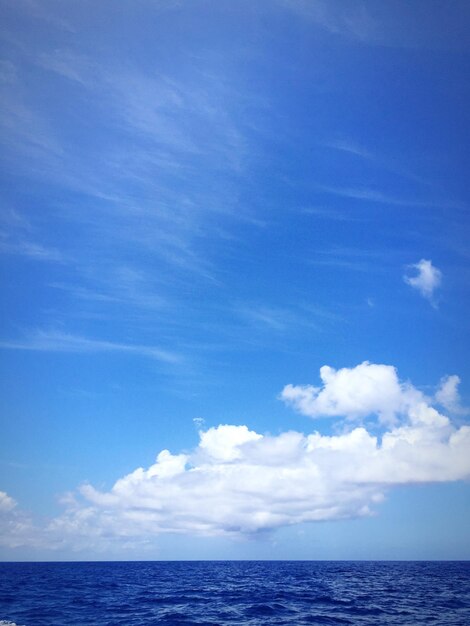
203, 204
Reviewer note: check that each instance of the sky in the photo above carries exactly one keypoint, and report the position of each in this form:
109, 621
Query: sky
235, 279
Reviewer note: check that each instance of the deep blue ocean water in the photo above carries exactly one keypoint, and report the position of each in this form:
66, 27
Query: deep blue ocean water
240, 593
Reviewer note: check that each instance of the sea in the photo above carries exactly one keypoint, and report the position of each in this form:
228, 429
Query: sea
242, 593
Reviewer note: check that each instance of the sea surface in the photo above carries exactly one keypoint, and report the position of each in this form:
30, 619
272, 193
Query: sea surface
243, 593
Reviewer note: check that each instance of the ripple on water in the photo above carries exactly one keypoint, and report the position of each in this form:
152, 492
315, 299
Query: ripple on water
235, 594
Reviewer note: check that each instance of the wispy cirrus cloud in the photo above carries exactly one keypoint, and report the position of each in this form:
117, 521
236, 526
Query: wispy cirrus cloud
117, 284
53, 341
185, 118
30, 249
343, 264
279, 319
377, 196
17, 237
326, 213
380, 161
373, 195
354, 259
388, 24
351, 147
352, 21
24, 132
167, 182
148, 204
43, 11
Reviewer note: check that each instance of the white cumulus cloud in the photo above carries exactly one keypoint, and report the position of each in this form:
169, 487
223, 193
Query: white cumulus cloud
16, 528
6, 502
224, 442
353, 393
237, 482
426, 278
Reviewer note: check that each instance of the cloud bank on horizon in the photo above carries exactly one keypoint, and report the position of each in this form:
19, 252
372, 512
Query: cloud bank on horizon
238, 482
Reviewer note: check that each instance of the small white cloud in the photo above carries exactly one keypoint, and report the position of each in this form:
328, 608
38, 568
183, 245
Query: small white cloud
427, 279
223, 443
6, 502
198, 422
448, 396
354, 393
